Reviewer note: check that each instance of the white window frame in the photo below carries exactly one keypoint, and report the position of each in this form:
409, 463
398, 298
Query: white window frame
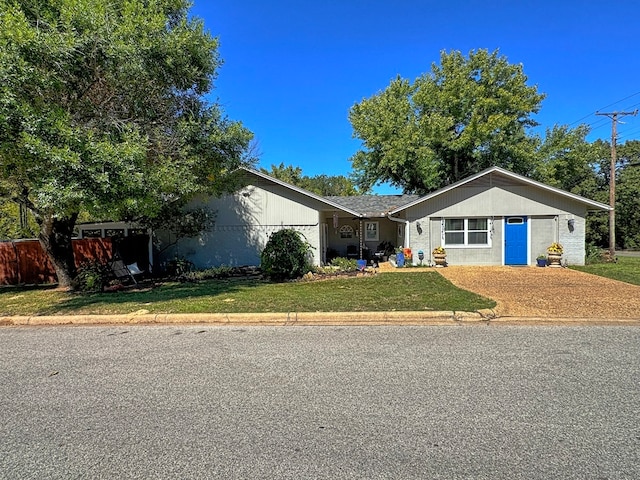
371, 234
466, 232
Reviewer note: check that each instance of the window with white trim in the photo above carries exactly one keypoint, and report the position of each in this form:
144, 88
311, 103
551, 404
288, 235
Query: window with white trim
467, 232
371, 231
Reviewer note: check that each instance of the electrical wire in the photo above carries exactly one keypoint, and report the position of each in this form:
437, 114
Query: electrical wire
597, 124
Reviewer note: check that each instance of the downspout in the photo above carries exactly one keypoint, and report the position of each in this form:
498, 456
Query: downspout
406, 228
430, 240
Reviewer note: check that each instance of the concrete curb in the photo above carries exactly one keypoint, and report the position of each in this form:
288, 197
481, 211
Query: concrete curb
486, 317
273, 319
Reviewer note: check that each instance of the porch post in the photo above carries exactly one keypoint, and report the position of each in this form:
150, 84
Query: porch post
361, 240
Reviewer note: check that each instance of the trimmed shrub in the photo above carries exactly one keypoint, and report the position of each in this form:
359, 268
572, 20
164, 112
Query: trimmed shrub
285, 256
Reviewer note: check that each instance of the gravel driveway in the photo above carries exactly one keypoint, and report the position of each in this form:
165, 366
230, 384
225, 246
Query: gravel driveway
548, 292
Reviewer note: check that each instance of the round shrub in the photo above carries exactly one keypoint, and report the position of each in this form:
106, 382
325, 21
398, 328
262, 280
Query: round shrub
285, 256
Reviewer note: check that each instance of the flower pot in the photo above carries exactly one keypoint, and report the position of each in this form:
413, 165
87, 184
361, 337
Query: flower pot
440, 259
542, 262
553, 259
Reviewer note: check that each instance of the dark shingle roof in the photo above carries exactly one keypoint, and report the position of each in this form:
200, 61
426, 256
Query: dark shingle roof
373, 205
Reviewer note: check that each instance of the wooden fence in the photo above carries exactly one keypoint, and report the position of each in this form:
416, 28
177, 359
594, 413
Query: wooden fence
24, 262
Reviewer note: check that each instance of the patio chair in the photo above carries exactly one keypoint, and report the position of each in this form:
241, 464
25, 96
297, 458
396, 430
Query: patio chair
122, 270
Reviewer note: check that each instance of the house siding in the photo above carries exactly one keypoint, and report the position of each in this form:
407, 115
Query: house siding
420, 239
243, 223
543, 231
572, 241
547, 215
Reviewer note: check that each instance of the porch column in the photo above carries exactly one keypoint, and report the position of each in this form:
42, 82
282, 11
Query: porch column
361, 240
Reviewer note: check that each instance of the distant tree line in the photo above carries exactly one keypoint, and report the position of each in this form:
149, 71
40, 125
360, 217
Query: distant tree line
324, 185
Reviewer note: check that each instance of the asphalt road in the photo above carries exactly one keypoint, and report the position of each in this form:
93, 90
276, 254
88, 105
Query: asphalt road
480, 402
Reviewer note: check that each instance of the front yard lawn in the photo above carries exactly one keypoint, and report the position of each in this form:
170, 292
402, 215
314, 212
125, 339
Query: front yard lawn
419, 291
626, 269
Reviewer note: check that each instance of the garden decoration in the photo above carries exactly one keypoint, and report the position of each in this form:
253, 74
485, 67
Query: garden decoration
440, 256
554, 254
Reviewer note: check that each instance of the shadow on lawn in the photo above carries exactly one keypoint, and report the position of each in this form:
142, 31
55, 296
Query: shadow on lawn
150, 293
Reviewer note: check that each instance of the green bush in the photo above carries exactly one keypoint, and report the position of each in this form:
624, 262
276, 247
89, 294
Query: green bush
92, 277
593, 254
345, 264
285, 256
206, 274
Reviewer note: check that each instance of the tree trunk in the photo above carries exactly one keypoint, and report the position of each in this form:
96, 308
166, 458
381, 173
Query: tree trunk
55, 239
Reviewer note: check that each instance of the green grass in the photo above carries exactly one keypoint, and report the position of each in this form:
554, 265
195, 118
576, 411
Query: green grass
626, 269
419, 291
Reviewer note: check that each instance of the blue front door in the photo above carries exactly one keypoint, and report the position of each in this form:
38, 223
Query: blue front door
515, 241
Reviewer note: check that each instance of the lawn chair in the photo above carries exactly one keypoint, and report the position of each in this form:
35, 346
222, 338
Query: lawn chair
122, 270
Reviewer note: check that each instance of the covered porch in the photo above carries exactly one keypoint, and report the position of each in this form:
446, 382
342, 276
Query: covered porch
361, 237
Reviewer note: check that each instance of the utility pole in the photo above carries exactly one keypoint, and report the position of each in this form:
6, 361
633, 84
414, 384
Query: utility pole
612, 177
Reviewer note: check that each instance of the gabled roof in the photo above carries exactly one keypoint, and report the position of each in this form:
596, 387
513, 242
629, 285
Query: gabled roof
325, 200
591, 204
374, 205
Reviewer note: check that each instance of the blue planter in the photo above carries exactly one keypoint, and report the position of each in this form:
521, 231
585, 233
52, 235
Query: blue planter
400, 259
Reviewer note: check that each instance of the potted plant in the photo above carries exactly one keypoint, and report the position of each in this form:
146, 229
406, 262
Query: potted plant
439, 256
542, 260
554, 254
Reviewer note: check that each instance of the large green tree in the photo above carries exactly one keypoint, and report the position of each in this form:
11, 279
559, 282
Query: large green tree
466, 114
566, 159
103, 110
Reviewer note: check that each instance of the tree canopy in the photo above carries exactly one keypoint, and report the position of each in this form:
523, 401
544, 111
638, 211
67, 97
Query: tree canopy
103, 110
325, 185
628, 195
466, 114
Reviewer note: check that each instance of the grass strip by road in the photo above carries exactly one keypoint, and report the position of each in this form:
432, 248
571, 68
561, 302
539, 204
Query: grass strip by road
626, 269
419, 291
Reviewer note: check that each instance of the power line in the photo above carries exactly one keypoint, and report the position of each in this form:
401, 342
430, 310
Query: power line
607, 106
625, 98
628, 133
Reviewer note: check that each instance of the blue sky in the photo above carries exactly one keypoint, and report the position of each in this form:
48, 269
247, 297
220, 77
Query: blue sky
292, 69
